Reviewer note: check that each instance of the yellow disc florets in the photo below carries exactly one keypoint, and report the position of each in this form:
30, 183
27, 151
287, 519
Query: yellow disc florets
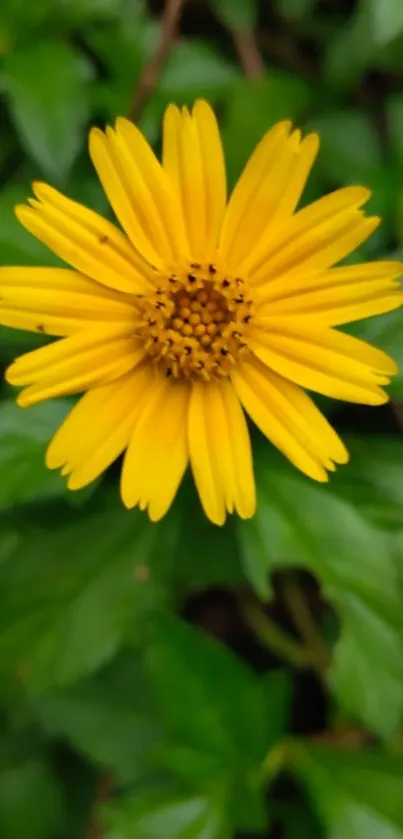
196, 324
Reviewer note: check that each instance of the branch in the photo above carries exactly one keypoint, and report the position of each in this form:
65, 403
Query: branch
102, 794
347, 738
272, 636
302, 618
151, 73
397, 410
248, 53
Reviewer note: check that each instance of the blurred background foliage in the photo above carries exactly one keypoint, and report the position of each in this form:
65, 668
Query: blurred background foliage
178, 680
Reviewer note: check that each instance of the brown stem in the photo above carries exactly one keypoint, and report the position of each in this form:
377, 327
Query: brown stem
348, 738
397, 408
102, 794
151, 72
248, 52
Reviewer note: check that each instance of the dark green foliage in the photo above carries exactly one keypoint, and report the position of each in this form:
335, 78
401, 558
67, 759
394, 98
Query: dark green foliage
135, 700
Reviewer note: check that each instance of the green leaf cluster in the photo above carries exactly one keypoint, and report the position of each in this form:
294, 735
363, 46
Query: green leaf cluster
182, 680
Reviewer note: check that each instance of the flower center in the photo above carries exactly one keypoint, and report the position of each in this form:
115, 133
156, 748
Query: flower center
196, 324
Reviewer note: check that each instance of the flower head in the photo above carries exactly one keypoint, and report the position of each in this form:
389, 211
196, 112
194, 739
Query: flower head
199, 310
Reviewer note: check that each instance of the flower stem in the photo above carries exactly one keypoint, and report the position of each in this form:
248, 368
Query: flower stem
272, 636
275, 760
302, 618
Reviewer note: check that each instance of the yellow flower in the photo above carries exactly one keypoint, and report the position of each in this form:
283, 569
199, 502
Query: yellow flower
201, 309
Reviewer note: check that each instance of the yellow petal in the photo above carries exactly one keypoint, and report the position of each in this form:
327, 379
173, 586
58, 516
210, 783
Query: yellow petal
205, 469
98, 428
228, 449
157, 455
332, 309
194, 161
74, 364
314, 238
220, 451
289, 418
267, 193
261, 162
337, 296
59, 302
324, 360
139, 192
85, 240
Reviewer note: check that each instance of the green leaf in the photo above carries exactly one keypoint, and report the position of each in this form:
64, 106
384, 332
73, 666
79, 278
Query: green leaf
350, 51
69, 593
30, 801
109, 718
358, 795
23, 439
239, 14
386, 19
222, 708
299, 524
83, 11
372, 480
394, 114
80, 785
252, 107
14, 342
294, 11
46, 89
196, 69
351, 152
123, 47
222, 722
349, 145
16, 14
208, 556
370, 648
17, 246
389, 57
170, 814
383, 183
299, 822
385, 331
